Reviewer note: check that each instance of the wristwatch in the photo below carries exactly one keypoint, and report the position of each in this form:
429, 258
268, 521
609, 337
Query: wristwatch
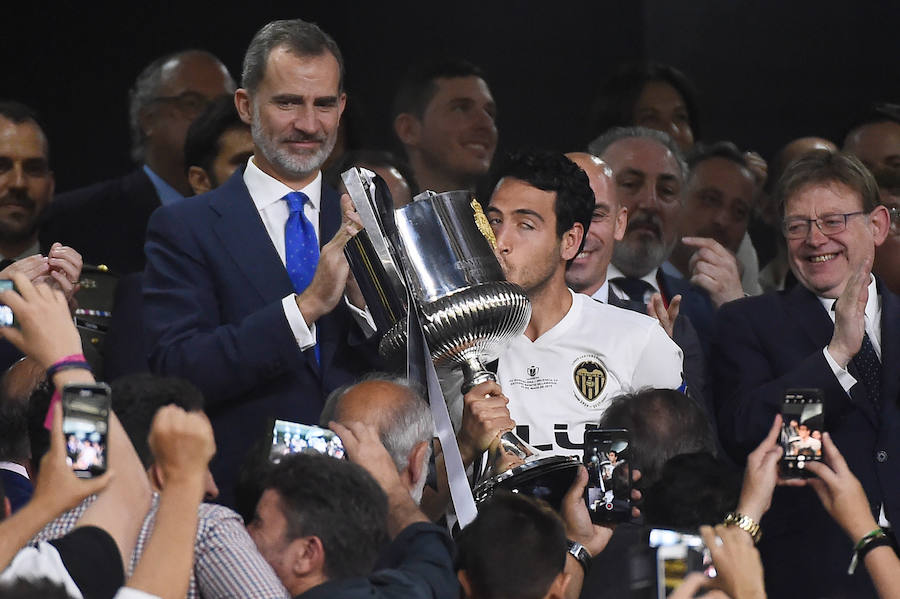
745, 523
578, 551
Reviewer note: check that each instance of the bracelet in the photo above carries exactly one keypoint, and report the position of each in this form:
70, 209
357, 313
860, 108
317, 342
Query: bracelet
876, 538
68, 363
745, 523
579, 552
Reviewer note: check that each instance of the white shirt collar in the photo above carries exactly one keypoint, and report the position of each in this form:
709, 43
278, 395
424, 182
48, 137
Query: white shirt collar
873, 308
613, 272
14, 467
266, 189
602, 294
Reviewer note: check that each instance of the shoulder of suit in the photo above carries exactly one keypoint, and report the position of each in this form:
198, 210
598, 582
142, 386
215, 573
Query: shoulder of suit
598, 309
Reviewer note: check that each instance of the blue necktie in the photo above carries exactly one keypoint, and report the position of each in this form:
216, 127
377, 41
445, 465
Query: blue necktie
301, 248
869, 368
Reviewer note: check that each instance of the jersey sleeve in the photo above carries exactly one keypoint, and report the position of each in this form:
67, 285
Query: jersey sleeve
660, 364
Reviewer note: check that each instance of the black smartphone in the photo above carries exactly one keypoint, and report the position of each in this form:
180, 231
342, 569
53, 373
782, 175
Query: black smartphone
85, 426
293, 437
678, 553
803, 420
607, 453
7, 318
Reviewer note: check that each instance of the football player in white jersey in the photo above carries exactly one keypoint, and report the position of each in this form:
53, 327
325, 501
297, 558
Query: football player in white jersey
576, 354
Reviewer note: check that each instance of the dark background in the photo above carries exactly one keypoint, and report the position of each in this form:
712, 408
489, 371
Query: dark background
768, 70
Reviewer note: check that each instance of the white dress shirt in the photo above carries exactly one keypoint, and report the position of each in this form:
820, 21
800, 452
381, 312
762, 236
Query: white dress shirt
873, 330
612, 272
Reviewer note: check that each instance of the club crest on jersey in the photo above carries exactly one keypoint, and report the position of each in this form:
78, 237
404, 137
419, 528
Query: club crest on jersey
590, 378
532, 371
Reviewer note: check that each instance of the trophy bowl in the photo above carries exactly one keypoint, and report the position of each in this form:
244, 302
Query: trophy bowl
439, 250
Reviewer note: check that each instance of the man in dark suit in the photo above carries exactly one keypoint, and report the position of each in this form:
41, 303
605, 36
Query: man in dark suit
106, 221
838, 330
15, 453
650, 173
238, 297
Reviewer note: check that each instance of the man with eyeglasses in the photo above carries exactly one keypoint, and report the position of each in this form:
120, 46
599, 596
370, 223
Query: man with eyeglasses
838, 330
107, 221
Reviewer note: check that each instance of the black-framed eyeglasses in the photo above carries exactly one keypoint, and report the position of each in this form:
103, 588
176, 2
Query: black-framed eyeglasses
190, 103
828, 224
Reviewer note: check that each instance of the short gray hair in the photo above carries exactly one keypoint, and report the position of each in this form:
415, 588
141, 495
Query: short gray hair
145, 91
405, 425
611, 136
302, 38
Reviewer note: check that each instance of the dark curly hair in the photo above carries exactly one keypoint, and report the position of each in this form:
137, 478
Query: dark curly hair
551, 171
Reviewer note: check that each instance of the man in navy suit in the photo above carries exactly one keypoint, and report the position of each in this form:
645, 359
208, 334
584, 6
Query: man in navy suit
838, 331
650, 173
220, 307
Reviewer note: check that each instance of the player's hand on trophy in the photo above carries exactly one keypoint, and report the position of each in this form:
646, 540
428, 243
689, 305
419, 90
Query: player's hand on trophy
485, 417
330, 281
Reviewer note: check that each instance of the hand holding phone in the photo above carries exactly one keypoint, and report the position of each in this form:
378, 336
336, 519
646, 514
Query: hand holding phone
607, 455
85, 425
803, 421
293, 437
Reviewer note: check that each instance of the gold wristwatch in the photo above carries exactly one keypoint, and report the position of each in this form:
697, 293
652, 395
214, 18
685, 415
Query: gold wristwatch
745, 523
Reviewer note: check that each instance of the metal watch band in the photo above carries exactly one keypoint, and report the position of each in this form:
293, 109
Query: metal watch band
745, 523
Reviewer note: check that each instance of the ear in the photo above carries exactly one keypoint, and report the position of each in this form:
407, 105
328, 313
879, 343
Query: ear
155, 476
342, 104
244, 104
621, 224
145, 121
571, 241
6, 508
306, 557
558, 586
464, 583
199, 180
417, 463
408, 129
880, 222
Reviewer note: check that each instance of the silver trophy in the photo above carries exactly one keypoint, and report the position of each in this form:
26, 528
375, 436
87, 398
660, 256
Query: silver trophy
437, 252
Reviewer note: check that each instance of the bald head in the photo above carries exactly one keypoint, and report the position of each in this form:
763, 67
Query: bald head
797, 149
599, 174
587, 273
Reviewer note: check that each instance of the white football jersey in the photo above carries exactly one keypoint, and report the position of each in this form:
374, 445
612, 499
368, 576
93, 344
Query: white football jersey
568, 376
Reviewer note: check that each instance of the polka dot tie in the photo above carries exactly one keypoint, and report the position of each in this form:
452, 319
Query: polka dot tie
301, 248
868, 367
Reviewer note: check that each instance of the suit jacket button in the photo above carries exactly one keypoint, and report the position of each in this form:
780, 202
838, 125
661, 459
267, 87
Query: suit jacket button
881, 456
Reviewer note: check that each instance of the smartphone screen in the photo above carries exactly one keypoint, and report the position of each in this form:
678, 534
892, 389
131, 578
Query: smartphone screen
85, 426
677, 555
803, 421
606, 456
6, 314
292, 437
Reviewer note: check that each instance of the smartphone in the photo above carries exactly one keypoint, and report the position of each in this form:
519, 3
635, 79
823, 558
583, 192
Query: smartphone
292, 437
678, 553
803, 420
607, 453
7, 318
85, 426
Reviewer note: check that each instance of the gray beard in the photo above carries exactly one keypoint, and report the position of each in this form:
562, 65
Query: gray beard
292, 164
641, 260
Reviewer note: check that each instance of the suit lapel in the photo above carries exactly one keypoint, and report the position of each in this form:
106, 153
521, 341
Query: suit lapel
329, 214
890, 348
243, 235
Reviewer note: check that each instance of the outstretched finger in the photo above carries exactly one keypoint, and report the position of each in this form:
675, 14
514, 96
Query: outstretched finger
833, 456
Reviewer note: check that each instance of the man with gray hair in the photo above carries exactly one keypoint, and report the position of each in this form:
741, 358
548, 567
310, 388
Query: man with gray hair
238, 296
106, 221
650, 172
400, 415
